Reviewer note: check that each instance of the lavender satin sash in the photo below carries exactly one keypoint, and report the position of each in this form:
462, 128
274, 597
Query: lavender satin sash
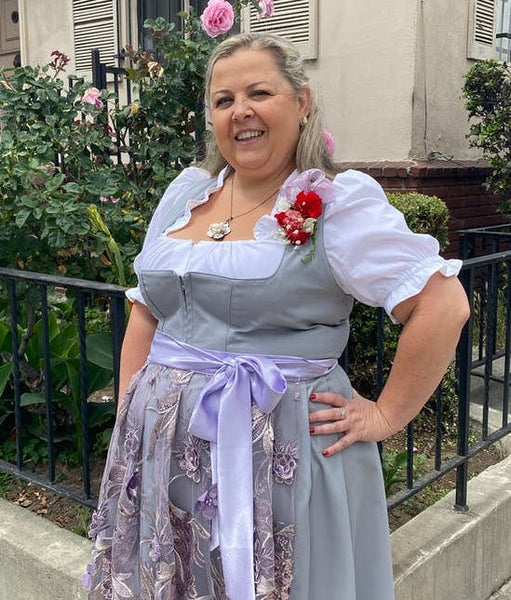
223, 416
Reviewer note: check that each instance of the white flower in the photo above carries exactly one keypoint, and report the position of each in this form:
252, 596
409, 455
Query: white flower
309, 225
217, 231
283, 205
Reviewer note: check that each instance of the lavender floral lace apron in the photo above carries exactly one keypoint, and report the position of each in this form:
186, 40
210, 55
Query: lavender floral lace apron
318, 524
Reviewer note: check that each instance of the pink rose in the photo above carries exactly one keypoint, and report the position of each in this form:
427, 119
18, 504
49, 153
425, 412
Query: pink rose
291, 219
329, 142
265, 9
217, 18
91, 96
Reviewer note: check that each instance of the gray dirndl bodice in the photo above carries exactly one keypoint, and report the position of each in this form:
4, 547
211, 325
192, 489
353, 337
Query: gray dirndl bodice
300, 310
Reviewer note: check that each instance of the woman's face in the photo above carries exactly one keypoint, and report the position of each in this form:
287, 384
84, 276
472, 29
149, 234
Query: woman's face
256, 114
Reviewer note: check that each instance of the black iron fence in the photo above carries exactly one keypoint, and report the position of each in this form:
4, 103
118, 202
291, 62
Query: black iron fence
33, 305
484, 347
481, 241
489, 298
48, 359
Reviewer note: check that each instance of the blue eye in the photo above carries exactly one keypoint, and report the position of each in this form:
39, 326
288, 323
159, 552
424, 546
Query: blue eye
225, 100
260, 93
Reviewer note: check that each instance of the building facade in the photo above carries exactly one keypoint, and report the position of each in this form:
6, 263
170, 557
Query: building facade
389, 74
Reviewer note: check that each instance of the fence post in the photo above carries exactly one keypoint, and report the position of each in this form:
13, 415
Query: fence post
464, 368
98, 71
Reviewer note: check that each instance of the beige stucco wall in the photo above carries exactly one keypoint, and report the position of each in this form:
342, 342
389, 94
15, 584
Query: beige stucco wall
365, 76
389, 72
439, 115
45, 26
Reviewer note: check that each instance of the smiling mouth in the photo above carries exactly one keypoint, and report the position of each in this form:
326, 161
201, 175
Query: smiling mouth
248, 135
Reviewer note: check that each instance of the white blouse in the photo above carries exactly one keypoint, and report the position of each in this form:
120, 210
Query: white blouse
372, 253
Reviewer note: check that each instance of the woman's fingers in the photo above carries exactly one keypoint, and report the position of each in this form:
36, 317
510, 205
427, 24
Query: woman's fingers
329, 398
355, 419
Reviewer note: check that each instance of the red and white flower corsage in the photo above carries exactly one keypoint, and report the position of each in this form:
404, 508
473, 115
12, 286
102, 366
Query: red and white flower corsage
298, 221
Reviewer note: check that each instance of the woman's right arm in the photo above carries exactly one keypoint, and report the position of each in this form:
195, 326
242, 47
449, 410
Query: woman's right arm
136, 345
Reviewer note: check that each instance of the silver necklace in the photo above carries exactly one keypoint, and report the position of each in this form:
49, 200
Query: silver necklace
219, 230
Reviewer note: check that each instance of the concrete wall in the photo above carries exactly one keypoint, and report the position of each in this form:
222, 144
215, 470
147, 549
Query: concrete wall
46, 26
365, 76
440, 121
439, 555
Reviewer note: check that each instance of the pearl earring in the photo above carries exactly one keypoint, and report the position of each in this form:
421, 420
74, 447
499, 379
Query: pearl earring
303, 122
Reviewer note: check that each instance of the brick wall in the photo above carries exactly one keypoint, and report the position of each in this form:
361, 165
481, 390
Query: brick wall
459, 184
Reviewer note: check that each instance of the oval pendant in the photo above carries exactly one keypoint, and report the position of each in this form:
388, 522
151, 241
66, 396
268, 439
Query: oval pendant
218, 231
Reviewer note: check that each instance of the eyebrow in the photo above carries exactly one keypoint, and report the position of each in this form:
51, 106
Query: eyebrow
251, 85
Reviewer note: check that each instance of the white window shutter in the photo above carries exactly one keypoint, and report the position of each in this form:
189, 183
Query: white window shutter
481, 29
295, 20
94, 27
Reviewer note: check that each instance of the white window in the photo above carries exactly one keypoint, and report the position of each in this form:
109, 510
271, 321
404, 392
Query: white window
295, 20
482, 29
95, 27
168, 9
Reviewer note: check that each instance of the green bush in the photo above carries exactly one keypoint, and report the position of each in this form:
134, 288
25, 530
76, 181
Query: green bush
67, 205
64, 358
424, 214
487, 91
55, 163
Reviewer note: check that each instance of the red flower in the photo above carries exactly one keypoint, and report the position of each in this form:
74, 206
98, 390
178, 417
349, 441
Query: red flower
297, 237
298, 223
291, 219
308, 204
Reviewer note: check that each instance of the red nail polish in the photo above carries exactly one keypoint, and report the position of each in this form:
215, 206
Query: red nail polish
325, 453
312, 430
313, 396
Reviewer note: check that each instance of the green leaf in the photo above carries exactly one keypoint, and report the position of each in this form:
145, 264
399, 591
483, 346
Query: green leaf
99, 350
5, 373
21, 217
5, 338
30, 398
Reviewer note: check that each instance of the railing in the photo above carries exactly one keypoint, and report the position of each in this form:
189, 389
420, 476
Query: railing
100, 80
483, 241
35, 295
479, 277
477, 274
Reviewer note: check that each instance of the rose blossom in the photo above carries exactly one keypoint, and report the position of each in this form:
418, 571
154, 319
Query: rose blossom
328, 140
265, 9
308, 204
291, 219
298, 236
91, 96
217, 18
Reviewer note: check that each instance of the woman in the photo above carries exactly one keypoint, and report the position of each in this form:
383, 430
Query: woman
242, 464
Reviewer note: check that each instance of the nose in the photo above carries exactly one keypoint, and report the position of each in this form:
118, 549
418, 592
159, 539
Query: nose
242, 110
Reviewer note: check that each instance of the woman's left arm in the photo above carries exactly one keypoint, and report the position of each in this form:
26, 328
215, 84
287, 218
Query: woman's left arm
432, 320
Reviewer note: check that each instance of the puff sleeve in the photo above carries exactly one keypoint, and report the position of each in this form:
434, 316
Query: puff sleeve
373, 254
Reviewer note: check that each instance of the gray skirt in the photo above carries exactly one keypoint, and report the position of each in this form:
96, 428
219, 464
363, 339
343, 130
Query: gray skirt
320, 523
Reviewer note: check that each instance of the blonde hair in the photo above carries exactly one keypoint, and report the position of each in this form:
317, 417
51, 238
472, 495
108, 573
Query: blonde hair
311, 151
